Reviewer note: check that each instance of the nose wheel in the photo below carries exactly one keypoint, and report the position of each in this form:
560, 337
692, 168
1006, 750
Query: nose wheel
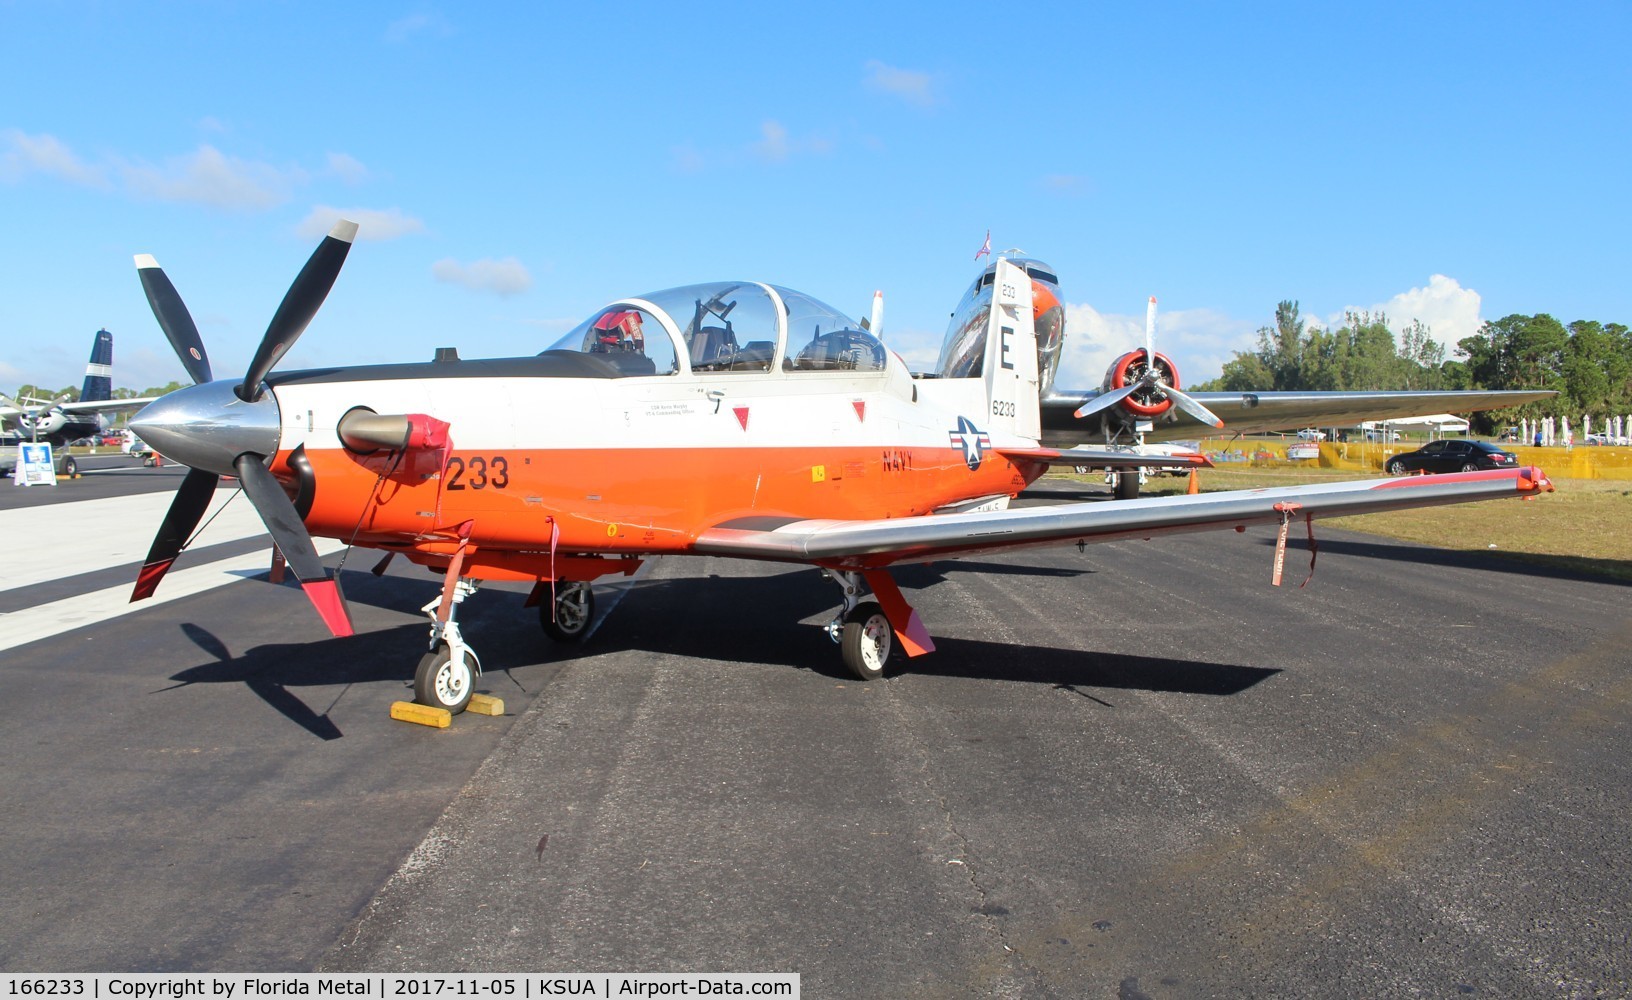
445, 679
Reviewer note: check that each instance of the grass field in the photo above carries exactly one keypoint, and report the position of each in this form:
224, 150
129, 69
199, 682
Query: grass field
1586, 525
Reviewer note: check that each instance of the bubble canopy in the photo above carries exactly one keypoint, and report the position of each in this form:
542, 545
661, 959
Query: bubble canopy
724, 326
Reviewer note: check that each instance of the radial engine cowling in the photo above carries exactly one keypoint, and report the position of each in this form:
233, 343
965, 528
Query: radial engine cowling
44, 424
1129, 369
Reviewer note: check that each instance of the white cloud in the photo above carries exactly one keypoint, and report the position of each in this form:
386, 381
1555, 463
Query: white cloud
348, 168
687, 159
501, 277
372, 224
206, 176
22, 154
1199, 341
420, 23
773, 144
1450, 311
1065, 184
912, 86
209, 177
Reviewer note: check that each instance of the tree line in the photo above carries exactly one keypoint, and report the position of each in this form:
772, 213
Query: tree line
1587, 362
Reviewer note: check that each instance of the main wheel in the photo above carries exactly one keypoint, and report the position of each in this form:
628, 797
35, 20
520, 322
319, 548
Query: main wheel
1396, 467
867, 640
442, 683
574, 611
1127, 485
70, 468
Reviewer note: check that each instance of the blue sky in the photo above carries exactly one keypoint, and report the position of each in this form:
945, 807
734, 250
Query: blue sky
514, 166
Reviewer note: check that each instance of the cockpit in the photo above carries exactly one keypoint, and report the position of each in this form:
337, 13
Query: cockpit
725, 326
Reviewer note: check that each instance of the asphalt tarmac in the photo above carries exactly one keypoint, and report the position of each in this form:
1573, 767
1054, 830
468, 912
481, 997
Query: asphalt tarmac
1134, 771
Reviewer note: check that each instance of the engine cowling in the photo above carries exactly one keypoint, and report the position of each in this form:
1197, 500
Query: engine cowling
44, 424
1129, 369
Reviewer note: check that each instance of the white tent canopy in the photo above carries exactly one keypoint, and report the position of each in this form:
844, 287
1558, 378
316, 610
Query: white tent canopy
1439, 422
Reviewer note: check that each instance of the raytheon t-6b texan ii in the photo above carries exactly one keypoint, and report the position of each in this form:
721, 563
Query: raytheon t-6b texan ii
732, 418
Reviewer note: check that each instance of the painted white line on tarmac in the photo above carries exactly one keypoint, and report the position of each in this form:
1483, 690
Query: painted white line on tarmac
47, 620
66, 539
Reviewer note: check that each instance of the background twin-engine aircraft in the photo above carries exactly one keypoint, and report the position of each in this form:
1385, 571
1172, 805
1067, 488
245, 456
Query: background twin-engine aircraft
60, 421
729, 419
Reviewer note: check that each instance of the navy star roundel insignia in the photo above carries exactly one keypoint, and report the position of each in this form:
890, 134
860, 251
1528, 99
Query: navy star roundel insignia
972, 440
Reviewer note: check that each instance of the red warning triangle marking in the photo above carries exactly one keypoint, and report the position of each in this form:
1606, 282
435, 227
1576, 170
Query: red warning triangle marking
742, 415
861, 408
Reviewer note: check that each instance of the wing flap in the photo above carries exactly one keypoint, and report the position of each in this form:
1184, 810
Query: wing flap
871, 544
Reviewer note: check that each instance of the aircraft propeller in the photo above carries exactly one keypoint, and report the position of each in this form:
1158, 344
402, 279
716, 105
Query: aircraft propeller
1151, 382
220, 428
29, 419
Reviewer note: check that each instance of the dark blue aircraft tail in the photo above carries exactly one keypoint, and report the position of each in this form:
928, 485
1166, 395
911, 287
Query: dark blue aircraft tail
99, 373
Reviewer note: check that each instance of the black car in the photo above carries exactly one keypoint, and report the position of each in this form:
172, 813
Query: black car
1452, 456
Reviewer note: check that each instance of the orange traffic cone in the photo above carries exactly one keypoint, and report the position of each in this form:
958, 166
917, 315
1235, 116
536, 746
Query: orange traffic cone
1195, 486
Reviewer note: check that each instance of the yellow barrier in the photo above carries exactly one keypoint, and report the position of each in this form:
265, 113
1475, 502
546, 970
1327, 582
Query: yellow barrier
1581, 462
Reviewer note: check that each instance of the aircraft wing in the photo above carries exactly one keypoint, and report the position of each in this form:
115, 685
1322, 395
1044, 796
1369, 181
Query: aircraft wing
94, 406
106, 405
873, 544
1109, 458
1257, 412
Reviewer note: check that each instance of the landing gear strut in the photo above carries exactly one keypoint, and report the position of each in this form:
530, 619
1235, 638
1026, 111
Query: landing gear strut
446, 676
861, 629
1125, 483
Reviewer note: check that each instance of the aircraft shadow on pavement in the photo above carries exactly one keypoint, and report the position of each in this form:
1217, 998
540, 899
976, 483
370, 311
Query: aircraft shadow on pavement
1071, 669
271, 669
505, 635
767, 620
1579, 568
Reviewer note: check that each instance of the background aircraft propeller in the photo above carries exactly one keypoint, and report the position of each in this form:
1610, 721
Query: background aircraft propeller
216, 436
1151, 382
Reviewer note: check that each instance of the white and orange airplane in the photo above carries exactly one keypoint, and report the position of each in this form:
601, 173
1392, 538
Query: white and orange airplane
727, 419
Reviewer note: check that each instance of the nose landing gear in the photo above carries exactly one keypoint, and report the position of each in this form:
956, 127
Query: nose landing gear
446, 676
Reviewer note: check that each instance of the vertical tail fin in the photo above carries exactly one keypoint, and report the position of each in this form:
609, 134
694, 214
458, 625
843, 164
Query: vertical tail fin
1010, 365
99, 372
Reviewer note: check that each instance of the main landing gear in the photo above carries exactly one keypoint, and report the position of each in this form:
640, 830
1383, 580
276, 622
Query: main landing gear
446, 676
860, 628
572, 613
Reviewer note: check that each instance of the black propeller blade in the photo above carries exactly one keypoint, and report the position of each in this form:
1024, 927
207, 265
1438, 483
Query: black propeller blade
231, 432
174, 319
299, 305
186, 510
292, 539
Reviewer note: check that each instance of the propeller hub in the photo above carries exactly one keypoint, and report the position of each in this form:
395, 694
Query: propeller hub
207, 426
